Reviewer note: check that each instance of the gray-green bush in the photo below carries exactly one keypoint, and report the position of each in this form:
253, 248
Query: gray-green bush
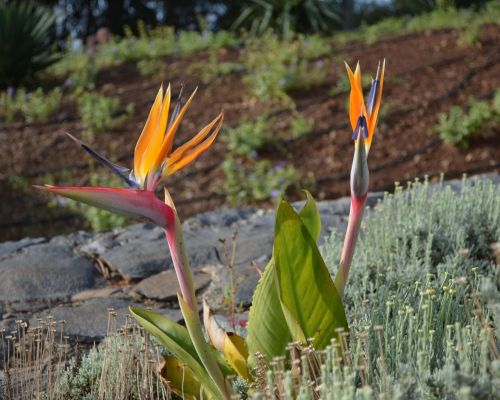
422, 303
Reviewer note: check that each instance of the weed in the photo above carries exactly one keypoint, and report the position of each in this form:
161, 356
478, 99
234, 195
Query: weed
213, 68
9, 105
156, 67
40, 106
35, 106
275, 67
257, 180
458, 127
299, 125
467, 21
99, 113
249, 136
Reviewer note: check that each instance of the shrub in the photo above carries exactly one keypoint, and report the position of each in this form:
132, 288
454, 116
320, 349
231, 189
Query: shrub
35, 106
99, 113
25, 41
257, 180
212, 68
9, 105
467, 21
458, 127
275, 67
300, 126
249, 136
40, 106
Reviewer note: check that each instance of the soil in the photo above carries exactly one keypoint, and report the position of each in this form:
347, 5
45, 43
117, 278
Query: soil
426, 74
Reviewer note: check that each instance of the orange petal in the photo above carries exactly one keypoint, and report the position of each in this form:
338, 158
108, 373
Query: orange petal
181, 161
166, 146
372, 122
201, 135
153, 146
356, 101
147, 131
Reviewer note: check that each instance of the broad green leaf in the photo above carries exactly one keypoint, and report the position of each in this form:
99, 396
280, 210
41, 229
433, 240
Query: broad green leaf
181, 379
176, 339
310, 216
268, 331
305, 285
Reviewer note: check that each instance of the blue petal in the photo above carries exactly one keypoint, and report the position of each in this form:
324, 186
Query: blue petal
360, 125
177, 109
372, 96
117, 169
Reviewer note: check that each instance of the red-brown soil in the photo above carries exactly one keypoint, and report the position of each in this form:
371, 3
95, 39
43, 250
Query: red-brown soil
426, 74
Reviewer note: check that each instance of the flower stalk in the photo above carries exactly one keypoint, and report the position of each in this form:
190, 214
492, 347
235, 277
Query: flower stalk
154, 161
363, 121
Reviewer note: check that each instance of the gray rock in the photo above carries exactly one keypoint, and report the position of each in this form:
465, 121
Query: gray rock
164, 286
73, 239
88, 321
94, 293
44, 273
10, 247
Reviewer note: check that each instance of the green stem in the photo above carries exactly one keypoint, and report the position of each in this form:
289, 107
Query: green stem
189, 306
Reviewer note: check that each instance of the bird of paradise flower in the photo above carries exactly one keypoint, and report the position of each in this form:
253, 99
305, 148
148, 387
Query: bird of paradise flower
154, 160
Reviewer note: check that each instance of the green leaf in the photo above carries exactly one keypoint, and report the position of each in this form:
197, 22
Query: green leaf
310, 216
176, 339
305, 285
268, 330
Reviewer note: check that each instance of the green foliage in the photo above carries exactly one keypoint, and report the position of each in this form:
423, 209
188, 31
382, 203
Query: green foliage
25, 41
98, 219
422, 303
300, 126
249, 136
35, 106
39, 106
458, 127
99, 113
177, 340
311, 304
257, 180
288, 16
467, 21
78, 67
296, 300
268, 332
156, 67
148, 49
275, 67
212, 68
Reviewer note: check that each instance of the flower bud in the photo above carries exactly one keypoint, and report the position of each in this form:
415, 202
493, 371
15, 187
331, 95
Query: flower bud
360, 175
